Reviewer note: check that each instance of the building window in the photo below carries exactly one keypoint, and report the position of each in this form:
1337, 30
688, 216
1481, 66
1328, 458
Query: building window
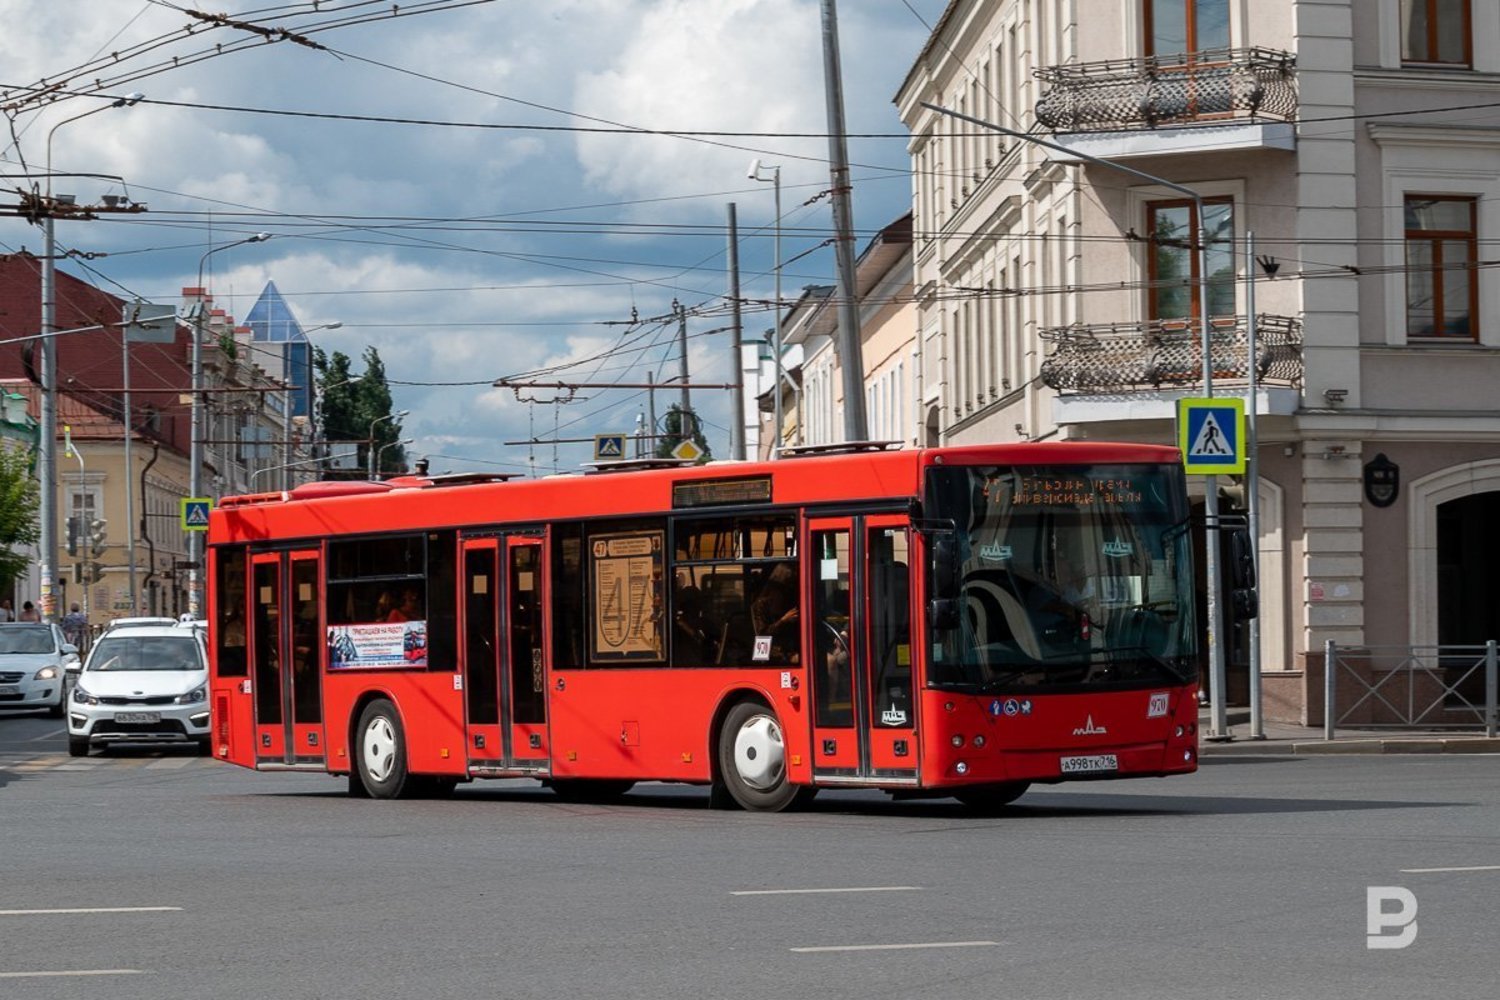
1442, 297
1178, 26
1436, 31
1176, 282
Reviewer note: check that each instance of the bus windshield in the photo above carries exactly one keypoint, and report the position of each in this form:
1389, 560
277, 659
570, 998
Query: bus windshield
1074, 577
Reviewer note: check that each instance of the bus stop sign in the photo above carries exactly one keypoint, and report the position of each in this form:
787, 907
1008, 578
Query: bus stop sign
1211, 434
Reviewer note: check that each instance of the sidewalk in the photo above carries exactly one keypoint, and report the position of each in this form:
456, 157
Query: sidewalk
1282, 738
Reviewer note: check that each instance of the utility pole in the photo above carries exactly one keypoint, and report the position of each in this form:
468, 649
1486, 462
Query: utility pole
682, 359
737, 394
851, 355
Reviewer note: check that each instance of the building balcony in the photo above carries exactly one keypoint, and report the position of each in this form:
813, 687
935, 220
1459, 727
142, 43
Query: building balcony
1168, 354
1212, 87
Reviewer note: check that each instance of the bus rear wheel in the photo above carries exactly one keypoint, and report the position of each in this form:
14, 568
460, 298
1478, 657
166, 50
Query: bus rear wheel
380, 751
752, 760
590, 790
990, 798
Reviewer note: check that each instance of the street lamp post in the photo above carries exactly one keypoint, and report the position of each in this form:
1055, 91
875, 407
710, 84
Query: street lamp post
195, 443
1219, 727
755, 168
47, 453
392, 444
286, 426
372, 456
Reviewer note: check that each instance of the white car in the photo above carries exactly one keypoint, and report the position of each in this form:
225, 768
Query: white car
142, 684
34, 659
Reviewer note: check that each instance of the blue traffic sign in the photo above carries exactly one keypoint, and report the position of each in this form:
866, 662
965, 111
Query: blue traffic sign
195, 513
1211, 434
608, 447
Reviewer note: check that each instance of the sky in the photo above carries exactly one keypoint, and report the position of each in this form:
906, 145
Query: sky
470, 188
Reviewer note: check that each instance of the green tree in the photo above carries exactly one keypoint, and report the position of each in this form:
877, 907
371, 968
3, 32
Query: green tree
677, 425
20, 506
350, 403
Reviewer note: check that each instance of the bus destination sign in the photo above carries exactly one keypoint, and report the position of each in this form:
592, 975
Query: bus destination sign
721, 492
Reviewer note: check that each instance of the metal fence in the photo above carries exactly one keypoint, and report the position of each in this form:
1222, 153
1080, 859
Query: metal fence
1426, 687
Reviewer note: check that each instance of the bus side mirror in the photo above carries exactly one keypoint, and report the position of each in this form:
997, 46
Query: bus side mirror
1244, 601
943, 600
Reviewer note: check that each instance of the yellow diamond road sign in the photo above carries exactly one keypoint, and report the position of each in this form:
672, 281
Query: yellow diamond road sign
687, 450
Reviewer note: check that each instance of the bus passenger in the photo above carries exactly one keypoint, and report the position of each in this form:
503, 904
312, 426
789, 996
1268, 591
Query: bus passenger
410, 609
774, 612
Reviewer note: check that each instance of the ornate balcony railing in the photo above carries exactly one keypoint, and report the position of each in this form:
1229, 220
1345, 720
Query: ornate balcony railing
1110, 357
1209, 86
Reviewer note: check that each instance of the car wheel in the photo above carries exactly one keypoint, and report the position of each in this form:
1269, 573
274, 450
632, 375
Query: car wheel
590, 790
78, 747
752, 760
988, 799
205, 748
57, 711
380, 753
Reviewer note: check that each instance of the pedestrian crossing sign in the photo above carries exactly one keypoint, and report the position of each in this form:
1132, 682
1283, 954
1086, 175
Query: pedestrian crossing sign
195, 513
609, 447
1211, 434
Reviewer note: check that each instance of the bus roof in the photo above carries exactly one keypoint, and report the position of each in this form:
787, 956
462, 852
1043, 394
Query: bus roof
412, 502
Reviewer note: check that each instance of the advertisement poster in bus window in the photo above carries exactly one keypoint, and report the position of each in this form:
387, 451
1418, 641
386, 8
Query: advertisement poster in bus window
627, 596
377, 644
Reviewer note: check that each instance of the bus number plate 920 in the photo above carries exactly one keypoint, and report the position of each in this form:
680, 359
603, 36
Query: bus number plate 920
1091, 764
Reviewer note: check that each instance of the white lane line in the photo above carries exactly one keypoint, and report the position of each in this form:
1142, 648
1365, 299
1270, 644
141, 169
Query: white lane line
1432, 871
74, 972
96, 909
47, 736
902, 947
800, 892
169, 763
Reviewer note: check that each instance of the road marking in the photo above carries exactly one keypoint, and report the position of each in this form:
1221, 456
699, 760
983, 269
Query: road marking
799, 892
169, 763
1433, 871
74, 972
48, 736
96, 909
902, 947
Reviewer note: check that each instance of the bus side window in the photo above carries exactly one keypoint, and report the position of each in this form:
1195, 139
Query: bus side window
229, 612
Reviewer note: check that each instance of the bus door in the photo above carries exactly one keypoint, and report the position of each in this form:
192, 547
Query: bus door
504, 655
286, 648
864, 706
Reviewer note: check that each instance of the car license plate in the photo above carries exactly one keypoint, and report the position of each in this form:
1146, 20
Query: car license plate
1091, 764
9, 689
137, 716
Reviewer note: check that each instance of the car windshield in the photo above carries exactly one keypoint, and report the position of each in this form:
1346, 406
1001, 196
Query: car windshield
26, 639
146, 652
1070, 577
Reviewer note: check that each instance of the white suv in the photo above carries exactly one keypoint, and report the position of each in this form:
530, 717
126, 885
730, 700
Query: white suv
142, 684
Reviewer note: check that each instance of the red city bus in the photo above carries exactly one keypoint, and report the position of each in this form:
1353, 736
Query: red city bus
956, 621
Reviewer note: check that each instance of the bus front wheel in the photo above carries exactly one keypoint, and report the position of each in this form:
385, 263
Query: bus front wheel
380, 753
752, 760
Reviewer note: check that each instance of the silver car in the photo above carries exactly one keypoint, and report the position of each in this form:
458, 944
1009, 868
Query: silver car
142, 684
34, 659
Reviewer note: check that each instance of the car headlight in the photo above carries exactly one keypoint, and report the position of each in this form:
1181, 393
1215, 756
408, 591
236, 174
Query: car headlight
82, 697
193, 697
46, 674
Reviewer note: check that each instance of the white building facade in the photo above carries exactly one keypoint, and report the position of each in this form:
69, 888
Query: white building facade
1058, 298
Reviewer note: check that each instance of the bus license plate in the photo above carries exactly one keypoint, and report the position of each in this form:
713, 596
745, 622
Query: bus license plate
137, 716
1091, 764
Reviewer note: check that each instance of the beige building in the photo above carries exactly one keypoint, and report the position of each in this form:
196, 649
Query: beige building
1359, 142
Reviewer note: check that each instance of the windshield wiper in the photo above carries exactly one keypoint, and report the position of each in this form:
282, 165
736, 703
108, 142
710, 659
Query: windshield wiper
1114, 652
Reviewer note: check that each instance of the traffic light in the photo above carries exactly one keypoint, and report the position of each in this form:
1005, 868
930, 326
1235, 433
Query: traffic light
96, 572
79, 573
97, 529
75, 524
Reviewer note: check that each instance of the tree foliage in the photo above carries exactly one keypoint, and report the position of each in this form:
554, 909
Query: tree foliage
20, 508
677, 425
351, 402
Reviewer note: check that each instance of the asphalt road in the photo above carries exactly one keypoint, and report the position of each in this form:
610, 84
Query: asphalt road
195, 879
